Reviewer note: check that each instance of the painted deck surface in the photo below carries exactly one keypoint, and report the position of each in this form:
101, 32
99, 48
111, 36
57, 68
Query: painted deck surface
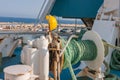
65, 75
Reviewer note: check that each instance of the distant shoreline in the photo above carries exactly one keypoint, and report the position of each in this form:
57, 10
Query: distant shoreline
30, 26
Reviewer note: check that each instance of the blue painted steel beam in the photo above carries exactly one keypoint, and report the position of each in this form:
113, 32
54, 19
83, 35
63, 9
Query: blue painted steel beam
76, 8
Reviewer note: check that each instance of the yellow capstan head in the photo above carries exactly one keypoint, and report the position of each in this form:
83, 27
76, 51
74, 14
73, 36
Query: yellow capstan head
52, 22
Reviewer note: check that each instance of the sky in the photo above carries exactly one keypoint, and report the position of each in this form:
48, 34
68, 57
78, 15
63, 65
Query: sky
20, 8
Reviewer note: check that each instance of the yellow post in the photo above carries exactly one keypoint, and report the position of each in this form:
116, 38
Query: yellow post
52, 21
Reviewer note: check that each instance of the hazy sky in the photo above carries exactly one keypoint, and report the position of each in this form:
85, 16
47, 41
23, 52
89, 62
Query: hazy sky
20, 8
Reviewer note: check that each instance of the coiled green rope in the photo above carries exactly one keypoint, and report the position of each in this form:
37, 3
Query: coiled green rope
78, 50
108, 75
115, 60
114, 63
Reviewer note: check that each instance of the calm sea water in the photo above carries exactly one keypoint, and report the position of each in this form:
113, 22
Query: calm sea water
31, 20
13, 19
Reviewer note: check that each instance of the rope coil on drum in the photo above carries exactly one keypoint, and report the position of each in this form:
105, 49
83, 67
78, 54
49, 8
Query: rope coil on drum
84, 50
87, 49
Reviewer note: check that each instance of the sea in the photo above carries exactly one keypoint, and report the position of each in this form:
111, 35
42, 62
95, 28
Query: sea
33, 20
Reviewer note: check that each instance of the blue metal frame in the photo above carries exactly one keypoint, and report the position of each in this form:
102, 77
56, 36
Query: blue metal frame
76, 8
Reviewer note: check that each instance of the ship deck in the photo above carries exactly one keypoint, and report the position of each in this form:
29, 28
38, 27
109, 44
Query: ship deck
65, 74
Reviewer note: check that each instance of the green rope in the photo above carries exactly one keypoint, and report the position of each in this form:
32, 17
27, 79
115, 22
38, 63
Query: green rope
114, 63
86, 50
108, 75
76, 51
115, 60
111, 77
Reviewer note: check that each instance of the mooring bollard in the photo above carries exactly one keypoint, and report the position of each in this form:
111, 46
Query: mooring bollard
18, 72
